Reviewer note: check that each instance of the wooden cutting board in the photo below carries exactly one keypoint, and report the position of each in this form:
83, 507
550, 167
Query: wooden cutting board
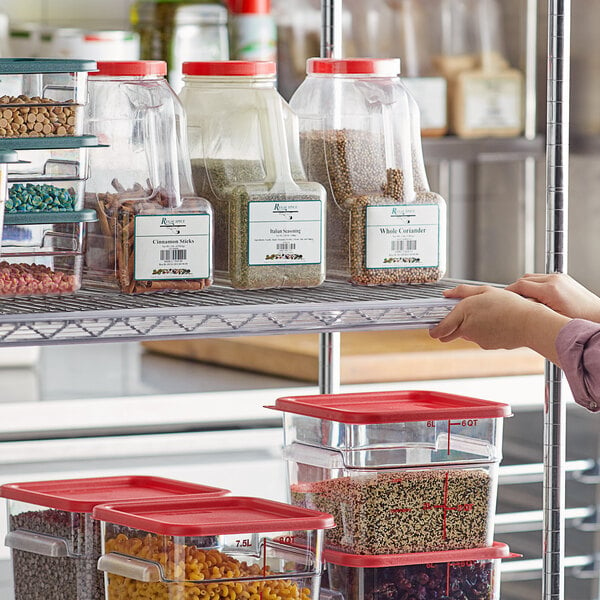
367, 357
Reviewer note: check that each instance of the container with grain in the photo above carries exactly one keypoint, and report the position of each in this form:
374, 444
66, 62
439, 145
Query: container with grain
220, 548
401, 472
269, 220
42, 97
153, 233
55, 543
359, 138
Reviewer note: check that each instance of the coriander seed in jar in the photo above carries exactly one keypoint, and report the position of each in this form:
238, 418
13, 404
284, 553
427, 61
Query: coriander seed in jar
358, 139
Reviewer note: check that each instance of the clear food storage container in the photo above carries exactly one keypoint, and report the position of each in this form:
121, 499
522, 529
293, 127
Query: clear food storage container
42, 97
6, 157
399, 471
355, 136
269, 221
461, 574
42, 252
230, 547
55, 542
153, 232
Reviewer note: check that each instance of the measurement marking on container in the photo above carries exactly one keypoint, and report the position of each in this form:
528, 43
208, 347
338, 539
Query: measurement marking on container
465, 507
463, 423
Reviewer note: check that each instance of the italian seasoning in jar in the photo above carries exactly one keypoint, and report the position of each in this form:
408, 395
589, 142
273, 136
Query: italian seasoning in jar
360, 138
269, 221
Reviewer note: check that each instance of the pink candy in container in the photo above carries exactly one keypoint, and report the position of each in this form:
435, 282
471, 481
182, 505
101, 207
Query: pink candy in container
460, 574
42, 252
54, 540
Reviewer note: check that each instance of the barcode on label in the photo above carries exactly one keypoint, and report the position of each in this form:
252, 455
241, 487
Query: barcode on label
286, 246
404, 245
172, 255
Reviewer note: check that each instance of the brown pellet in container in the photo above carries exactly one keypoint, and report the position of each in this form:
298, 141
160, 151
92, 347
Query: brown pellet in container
36, 117
75, 577
423, 510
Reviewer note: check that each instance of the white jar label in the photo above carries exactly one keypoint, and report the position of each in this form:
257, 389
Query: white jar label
492, 103
430, 95
172, 247
285, 233
405, 236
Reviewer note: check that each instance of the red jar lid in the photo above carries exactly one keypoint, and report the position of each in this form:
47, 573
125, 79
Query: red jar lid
498, 550
82, 495
385, 67
255, 7
230, 68
391, 407
200, 516
134, 68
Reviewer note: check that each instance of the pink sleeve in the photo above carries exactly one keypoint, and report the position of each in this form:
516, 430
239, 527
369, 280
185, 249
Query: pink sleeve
578, 347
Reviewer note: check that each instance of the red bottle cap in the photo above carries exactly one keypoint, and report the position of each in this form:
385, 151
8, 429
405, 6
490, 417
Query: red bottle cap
133, 68
255, 7
230, 68
384, 67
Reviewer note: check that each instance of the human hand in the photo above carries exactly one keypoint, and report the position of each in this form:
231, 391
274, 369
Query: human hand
496, 318
561, 293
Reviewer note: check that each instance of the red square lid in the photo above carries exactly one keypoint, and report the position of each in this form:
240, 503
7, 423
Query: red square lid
391, 407
82, 495
497, 550
202, 516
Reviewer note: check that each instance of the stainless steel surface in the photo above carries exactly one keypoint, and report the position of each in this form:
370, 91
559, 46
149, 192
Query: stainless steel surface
557, 175
219, 312
486, 149
331, 38
330, 363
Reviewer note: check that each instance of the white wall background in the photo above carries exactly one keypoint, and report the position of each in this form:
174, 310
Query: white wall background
91, 13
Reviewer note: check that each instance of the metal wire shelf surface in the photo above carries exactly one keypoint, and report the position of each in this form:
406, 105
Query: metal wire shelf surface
219, 312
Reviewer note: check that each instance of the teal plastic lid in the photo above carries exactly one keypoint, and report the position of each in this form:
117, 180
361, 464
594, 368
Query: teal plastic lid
87, 215
54, 142
16, 66
8, 156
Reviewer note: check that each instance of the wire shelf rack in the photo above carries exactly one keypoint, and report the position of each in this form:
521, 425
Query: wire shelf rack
219, 312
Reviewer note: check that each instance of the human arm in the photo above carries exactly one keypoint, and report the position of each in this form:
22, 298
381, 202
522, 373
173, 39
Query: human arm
497, 318
561, 293
578, 348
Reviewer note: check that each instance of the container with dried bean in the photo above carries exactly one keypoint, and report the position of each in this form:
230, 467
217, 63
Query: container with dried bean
153, 233
42, 97
7, 157
400, 472
269, 221
54, 540
455, 575
42, 252
360, 138
258, 549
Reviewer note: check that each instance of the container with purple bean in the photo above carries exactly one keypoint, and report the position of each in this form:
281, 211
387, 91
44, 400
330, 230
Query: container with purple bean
455, 575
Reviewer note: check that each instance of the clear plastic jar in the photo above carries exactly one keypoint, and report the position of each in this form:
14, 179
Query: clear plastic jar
358, 138
154, 233
269, 221
181, 30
